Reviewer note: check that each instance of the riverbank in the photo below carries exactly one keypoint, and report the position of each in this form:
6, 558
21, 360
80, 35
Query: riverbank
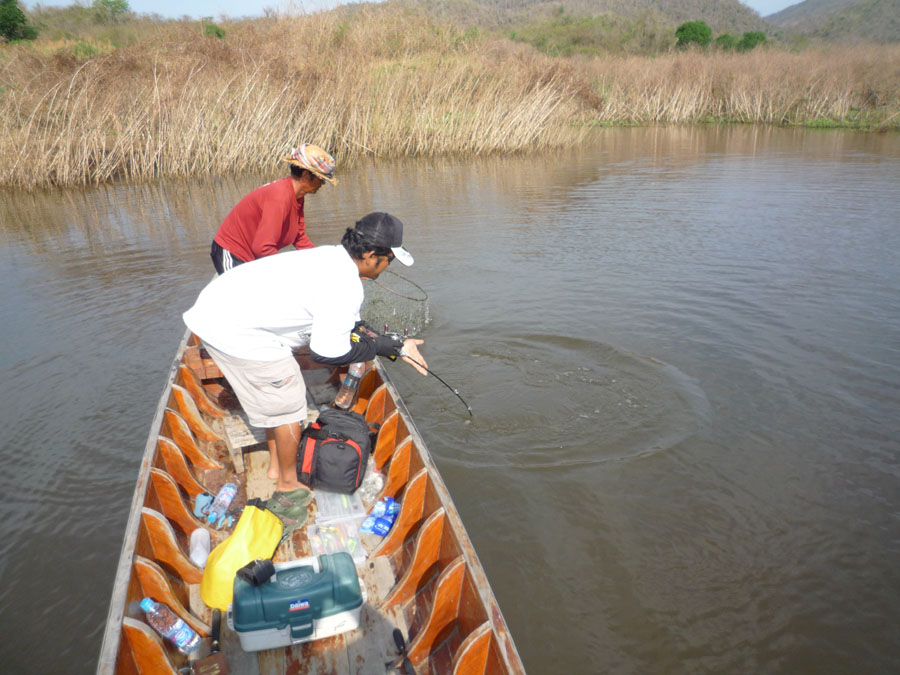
385, 81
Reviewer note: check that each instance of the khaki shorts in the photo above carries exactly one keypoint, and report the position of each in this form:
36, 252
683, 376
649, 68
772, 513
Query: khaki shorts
272, 393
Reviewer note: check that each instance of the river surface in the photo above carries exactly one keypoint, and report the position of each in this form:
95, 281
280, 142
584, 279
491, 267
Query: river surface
681, 347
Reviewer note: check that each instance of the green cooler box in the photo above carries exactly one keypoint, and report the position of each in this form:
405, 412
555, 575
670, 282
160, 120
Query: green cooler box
305, 599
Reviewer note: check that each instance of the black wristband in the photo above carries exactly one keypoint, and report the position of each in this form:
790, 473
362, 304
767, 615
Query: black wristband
388, 346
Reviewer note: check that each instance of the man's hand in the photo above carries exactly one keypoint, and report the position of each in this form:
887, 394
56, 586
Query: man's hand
410, 353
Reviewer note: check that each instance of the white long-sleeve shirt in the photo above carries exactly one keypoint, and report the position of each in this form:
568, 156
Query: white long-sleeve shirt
262, 309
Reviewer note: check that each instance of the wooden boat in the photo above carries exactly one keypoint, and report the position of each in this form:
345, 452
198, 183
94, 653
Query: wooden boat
424, 577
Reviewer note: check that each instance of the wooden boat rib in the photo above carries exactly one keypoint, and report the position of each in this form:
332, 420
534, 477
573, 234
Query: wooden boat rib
424, 577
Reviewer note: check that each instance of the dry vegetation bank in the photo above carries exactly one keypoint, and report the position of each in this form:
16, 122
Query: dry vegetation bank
382, 81
856, 87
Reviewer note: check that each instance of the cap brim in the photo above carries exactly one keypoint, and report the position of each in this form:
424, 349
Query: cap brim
402, 255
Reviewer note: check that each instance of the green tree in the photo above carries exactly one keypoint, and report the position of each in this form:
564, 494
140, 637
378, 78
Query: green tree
727, 42
212, 30
693, 32
751, 40
110, 11
14, 23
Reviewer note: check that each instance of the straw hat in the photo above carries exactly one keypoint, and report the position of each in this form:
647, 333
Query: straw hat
315, 159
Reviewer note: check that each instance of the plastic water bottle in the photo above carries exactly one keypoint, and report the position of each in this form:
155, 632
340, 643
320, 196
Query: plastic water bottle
170, 626
222, 502
382, 517
200, 542
351, 383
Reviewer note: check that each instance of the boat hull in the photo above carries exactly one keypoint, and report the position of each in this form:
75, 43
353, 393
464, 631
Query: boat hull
423, 578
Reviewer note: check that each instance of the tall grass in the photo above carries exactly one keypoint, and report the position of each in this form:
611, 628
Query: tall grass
381, 81
854, 86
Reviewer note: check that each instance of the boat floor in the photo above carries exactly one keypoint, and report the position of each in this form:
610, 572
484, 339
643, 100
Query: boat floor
368, 649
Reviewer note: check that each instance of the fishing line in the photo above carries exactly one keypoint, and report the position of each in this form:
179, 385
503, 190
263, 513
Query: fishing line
441, 380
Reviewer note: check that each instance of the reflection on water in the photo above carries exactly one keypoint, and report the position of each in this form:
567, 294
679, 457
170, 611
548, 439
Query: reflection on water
680, 347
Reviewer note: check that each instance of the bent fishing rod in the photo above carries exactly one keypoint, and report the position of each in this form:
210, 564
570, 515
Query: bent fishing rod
404, 355
439, 379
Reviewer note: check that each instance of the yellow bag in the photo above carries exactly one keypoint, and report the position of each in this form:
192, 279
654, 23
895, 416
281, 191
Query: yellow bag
255, 537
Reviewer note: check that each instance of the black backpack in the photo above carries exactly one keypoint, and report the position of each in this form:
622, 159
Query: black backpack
334, 451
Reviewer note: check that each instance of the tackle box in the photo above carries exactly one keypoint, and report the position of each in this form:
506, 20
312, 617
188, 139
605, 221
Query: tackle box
306, 599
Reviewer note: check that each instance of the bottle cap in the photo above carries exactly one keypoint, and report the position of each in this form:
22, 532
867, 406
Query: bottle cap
147, 604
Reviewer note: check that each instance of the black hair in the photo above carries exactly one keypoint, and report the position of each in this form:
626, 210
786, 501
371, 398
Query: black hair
297, 171
357, 243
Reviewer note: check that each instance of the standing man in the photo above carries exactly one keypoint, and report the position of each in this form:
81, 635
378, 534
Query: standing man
271, 217
252, 318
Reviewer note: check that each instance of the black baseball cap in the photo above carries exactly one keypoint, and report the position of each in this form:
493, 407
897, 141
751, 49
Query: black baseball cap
385, 231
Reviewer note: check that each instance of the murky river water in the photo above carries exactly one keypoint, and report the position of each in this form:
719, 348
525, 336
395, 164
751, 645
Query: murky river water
682, 349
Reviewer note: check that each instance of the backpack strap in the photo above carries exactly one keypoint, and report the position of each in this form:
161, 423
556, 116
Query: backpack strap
315, 430
309, 440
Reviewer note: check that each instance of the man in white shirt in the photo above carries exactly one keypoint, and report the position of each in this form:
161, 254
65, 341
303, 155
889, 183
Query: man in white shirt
252, 318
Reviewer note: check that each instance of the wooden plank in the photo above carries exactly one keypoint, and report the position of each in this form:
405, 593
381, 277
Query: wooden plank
191, 414
411, 511
444, 610
195, 388
193, 360
387, 440
173, 507
364, 391
173, 461
380, 405
155, 584
166, 548
472, 656
147, 648
184, 439
239, 661
428, 543
239, 435
398, 470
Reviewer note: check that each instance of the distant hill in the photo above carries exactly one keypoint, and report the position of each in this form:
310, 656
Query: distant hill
843, 20
721, 15
807, 11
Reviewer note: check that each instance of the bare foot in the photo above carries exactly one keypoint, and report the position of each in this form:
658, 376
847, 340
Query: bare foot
287, 486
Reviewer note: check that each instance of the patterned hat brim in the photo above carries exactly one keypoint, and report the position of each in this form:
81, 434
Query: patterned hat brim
291, 160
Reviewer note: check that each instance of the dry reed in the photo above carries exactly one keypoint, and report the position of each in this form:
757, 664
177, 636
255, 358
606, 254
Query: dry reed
380, 81
858, 86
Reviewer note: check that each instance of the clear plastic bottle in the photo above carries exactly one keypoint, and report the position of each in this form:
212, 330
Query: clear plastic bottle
221, 502
200, 542
170, 626
351, 383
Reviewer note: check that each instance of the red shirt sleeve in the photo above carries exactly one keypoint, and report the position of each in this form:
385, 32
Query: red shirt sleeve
302, 240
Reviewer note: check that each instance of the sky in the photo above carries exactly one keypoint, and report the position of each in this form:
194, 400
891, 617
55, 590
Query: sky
239, 8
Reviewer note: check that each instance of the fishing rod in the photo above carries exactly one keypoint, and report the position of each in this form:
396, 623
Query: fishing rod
441, 380
429, 371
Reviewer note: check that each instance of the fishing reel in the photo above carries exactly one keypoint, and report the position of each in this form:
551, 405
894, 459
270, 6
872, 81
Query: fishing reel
399, 339
365, 329
395, 335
